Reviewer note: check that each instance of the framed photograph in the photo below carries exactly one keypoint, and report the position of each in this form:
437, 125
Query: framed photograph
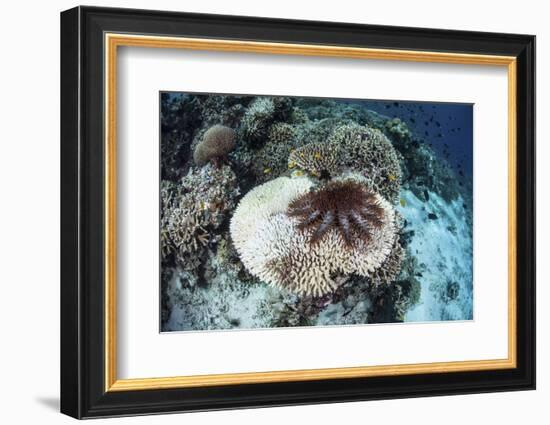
261, 212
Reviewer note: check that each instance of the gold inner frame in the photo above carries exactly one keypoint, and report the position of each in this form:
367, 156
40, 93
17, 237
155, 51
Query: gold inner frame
113, 41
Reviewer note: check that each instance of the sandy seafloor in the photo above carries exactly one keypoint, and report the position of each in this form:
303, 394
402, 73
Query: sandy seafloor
209, 289
444, 252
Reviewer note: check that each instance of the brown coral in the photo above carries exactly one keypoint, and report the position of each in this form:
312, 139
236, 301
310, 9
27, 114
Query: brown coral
345, 206
317, 158
391, 267
218, 141
369, 151
271, 158
193, 210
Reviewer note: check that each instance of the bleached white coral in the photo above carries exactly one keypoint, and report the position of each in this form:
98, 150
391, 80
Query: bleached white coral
274, 248
261, 204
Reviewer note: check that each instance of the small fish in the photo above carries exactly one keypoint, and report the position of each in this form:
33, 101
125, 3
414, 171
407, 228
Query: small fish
298, 173
402, 202
291, 164
317, 155
426, 195
267, 170
392, 177
432, 216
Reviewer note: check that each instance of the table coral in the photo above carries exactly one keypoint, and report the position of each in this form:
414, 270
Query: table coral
274, 247
369, 152
319, 159
345, 206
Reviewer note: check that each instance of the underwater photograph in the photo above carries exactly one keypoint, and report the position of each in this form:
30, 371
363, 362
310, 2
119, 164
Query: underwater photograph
280, 211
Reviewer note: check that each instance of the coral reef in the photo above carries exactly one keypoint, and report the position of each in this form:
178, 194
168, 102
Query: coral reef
368, 151
398, 129
221, 109
193, 209
257, 119
180, 116
349, 215
274, 247
390, 268
217, 141
261, 114
425, 171
260, 205
319, 159
271, 158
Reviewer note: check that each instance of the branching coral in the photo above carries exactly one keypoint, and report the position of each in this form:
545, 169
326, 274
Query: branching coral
368, 151
390, 268
319, 159
271, 159
306, 138
193, 209
352, 148
218, 141
180, 115
261, 114
257, 119
398, 129
276, 248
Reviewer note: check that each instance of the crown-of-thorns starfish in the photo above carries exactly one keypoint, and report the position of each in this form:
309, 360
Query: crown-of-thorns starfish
346, 206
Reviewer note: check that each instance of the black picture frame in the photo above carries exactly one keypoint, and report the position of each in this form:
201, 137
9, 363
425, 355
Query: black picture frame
83, 392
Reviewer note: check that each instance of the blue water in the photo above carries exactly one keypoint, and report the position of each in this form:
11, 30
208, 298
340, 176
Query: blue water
446, 127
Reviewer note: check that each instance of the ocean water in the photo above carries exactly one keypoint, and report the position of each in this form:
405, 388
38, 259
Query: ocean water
446, 127
446, 256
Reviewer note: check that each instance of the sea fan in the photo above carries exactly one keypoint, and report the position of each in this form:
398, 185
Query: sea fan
345, 206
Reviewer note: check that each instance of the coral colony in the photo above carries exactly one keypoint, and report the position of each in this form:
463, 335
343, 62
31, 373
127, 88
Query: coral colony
302, 240
279, 211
